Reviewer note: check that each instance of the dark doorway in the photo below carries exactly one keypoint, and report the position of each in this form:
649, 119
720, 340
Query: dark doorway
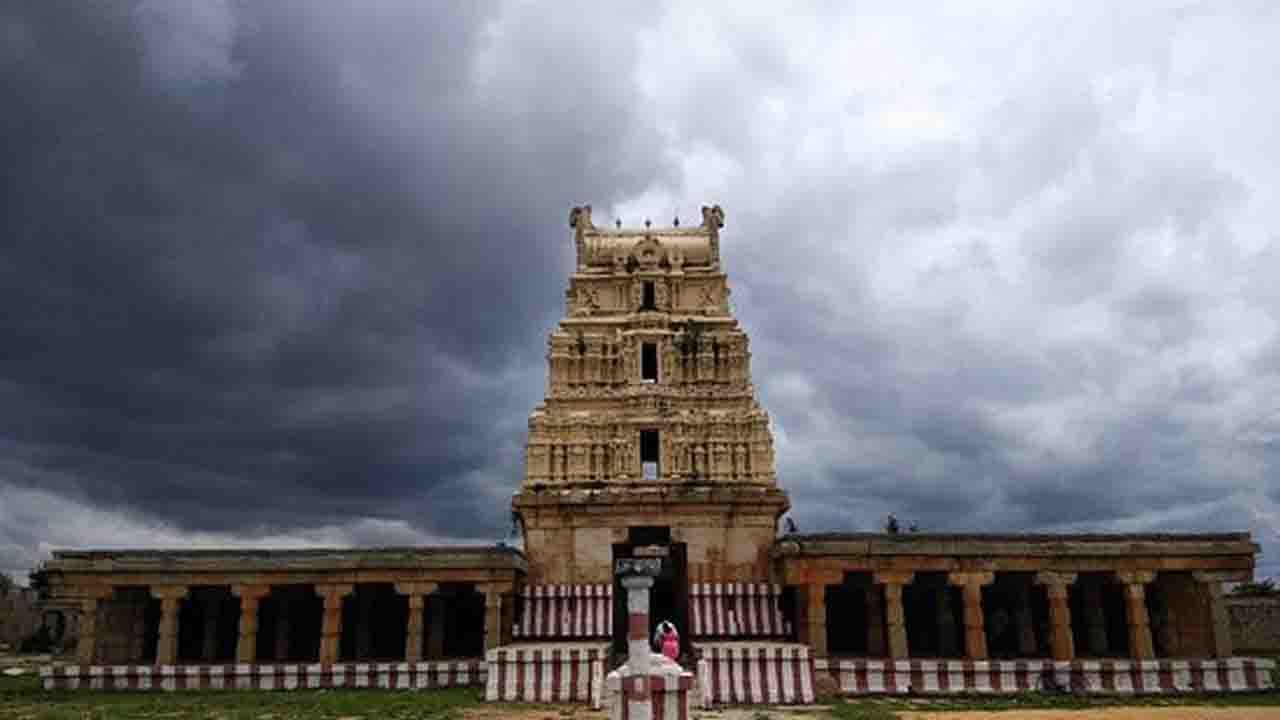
648, 300
669, 597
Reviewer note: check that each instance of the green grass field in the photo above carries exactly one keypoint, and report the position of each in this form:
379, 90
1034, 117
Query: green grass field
22, 699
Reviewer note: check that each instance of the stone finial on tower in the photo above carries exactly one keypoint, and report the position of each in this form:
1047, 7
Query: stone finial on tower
580, 221
712, 221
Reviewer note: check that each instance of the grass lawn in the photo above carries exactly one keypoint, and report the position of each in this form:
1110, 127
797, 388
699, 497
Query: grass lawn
22, 698
887, 708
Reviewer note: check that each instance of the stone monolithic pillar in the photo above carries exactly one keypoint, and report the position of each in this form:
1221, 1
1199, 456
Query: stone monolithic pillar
170, 597
87, 643
815, 617
331, 623
493, 635
247, 644
1135, 611
1056, 585
975, 631
875, 621
894, 618
417, 593
636, 683
1221, 621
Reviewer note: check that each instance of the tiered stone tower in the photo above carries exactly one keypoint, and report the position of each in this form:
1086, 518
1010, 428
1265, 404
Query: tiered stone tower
650, 419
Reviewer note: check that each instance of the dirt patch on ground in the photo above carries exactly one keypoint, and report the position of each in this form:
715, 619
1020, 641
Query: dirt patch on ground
1119, 713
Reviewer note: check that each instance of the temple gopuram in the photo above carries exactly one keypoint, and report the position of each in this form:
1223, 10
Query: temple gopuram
650, 443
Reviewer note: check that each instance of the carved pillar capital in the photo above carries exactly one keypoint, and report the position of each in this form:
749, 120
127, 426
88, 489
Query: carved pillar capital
252, 593
892, 577
970, 578
170, 592
1055, 583
416, 588
1136, 577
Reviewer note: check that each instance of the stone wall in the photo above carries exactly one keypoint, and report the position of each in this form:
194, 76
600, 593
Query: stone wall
19, 617
1255, 624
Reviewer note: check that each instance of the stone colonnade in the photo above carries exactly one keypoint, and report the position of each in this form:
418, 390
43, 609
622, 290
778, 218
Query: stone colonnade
332, 596
886, 619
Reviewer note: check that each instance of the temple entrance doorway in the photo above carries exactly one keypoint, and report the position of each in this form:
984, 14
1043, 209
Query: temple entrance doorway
669, 597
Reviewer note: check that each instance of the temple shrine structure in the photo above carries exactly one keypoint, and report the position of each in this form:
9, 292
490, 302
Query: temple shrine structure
650, 443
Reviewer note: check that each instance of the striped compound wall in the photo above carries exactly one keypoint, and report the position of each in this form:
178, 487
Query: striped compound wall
736, 610
546, 673
391, 676
865, 677
566, 611
728, 610
755, 673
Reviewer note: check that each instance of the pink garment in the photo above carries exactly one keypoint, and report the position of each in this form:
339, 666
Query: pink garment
671, 645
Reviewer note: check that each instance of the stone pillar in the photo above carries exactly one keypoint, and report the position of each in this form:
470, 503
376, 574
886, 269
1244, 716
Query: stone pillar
331, 624
1061, 643
210, 602
492, 614
250, 597
639, 703
435, 639
894, 618
1135, 610
875, 621
87, 643
945, 620
364, 631
975, 631
1023, 619
280, 651
417, 593
815, 618
1095, 619
170, 597
1220, 627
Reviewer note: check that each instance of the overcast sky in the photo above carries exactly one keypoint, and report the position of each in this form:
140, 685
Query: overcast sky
281, 273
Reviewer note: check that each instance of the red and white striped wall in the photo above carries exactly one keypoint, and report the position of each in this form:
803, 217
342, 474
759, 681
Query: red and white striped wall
546, 673
670, 690
736, 610
566, 611
865, 677
391, 676
754, 673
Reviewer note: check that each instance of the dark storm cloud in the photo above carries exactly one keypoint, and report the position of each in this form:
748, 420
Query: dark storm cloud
283, 265
281, 273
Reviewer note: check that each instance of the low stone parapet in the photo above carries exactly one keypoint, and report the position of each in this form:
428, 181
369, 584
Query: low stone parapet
872, 677
390, 676
750, 673
546, 673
